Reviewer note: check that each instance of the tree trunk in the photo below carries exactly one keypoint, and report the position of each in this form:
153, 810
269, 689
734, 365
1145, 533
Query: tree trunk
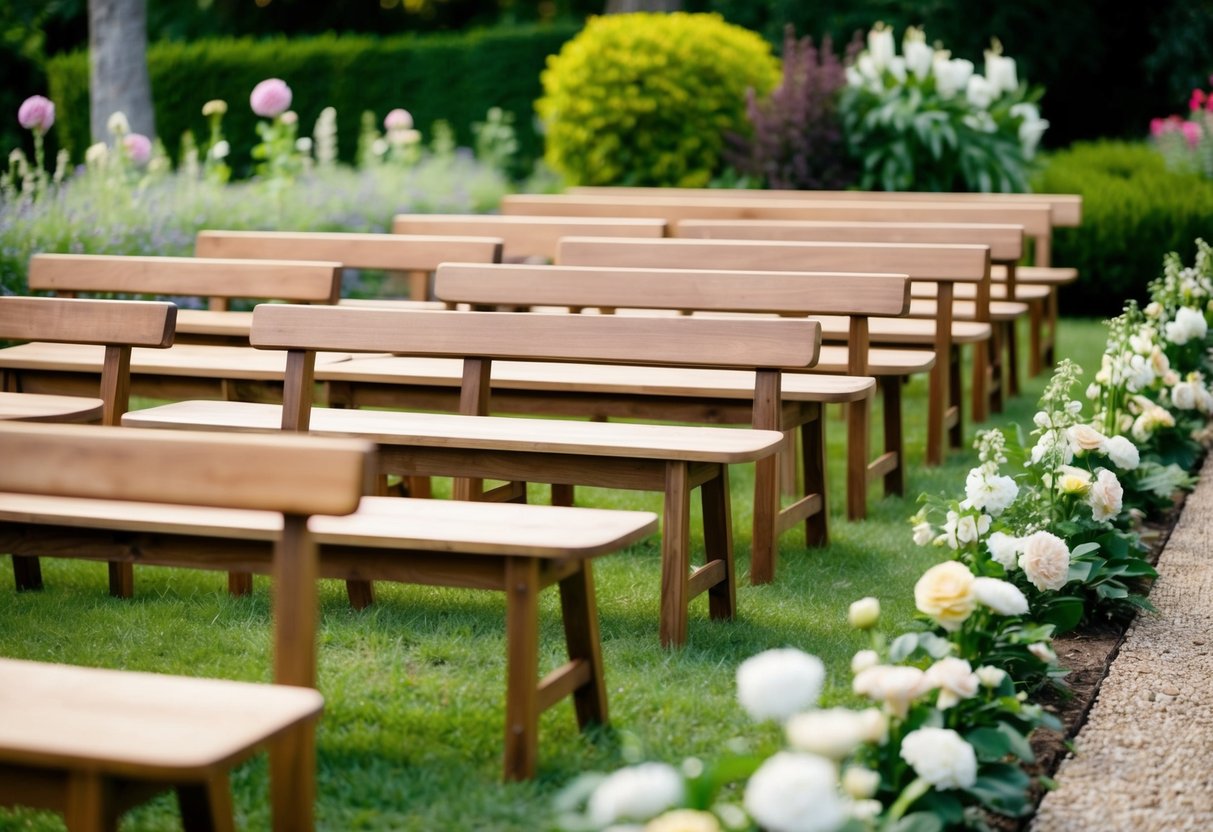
625, 6
118, 77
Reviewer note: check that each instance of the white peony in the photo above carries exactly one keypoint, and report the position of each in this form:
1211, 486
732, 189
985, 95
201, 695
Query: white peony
795, 792
637, 792
1045, 560
941, 757
1002, 597
1005, 549
834, 733
1107, 496
1123, 453
775, 684
955, 680
894, 685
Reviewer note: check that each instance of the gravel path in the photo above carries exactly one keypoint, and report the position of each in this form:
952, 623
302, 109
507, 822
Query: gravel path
1144, 760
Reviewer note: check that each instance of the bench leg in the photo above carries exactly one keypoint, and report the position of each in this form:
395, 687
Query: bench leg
522, 667
984, 374
1010, 372
718, 543
239, 583
1050, 351
563, 495
894, 440
675, 550
956, 397
1036, 337
207, 807
580, 611
360, 593
937, 409
763, 552
293, 778
859, 421
787, 456
27, 573
122, 580
90, 804
813, 460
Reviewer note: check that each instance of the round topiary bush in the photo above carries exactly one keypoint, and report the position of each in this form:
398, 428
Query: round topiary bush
645, 99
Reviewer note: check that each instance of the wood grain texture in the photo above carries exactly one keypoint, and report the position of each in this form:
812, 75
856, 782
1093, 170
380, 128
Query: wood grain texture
525, 237
36, 407
417, 252
130, 323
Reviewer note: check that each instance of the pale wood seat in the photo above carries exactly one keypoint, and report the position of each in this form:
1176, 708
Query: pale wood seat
946, 264
526, 238
409, 259
472, 446
37, 407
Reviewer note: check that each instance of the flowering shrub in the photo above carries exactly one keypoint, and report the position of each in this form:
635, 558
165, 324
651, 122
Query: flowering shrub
1187, 143
926, 121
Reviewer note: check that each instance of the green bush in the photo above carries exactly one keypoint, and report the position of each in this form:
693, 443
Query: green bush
645, 99
456, 78
1134, 212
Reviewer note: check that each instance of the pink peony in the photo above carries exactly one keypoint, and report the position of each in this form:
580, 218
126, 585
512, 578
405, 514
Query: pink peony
270, 98
397, 119
36, 113
138, 148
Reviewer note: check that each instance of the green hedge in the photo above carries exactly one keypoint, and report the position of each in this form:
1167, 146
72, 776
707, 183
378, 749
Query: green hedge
452, 77
1134, 212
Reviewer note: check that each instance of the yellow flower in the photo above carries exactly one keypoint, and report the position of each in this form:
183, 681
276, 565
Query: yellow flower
684, 820
945, 592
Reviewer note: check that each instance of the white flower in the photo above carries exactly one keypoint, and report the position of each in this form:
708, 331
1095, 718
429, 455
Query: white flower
941, 757
980, 92
918, 54
1183, 396
1085, 438
1045, 445
637, 792
1045, 560
1004, 549
96, 154
777, 683
945, 592
860, 783
991, 492
875, 725
955, 679
951, 76
1001, 71
1002, 597
1031, 128
894, 685
880, 46
864, 659
990, 677
1071, 480
117, 124
923, 533
864, 613
303, 144
1107, 496
834, 733
1043, 652
684, 820
967, 529
221, 149
1188, 325
949, 529
1123, 453
1159, 362
866, 811
795, 792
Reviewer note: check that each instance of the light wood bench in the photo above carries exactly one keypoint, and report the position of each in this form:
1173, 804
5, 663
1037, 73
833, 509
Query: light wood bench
411, 258
111, 330
515, 549
667, 458
525, 238
946, 265
856, 296
91, 742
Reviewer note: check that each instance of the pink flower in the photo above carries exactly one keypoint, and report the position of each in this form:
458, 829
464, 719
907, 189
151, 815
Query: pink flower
1191, 131
1157, 127
138, 148
36, 113
270, 98
398, 119
1198, 100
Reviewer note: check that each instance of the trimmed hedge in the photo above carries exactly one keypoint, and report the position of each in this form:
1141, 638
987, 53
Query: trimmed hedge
452, 77
1134, 212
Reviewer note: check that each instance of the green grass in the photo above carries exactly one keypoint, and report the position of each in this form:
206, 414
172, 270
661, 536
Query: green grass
412, 733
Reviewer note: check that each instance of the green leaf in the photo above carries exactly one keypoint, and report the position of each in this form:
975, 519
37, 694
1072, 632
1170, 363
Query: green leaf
917, 822
1063, 613
990, 744
1003, 788
902, 646
1080, 570
1083, 549
1019, 744
1111, 591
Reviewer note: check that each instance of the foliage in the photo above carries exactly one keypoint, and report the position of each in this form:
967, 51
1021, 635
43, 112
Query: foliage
1133, 208
797, 140
1187, 143
645, 99
455, 77
928, 122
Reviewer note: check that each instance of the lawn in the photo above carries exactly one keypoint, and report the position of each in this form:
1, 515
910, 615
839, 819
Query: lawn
411, 737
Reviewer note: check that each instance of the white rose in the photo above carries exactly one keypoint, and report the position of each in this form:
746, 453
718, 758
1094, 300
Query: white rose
1004, 549
990, 677
1183, 396
860, 783
864, 613
1002, 597
923, 534
894, 685
637, 792
966, 529
834, 733
1107, 496
775, 684
955, 679
945, 592
941, 757
864, 659
1085, 438
1123, 453
1045, 560
795, 792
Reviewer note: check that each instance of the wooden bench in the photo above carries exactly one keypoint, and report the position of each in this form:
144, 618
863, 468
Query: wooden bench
946, 265
514, 549
410, 258
528, 238
671, 459
89, 742
110, 328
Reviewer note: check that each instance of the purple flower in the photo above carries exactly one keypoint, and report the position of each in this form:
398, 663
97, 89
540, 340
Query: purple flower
398, 119
36, 113
270, 98
138, 148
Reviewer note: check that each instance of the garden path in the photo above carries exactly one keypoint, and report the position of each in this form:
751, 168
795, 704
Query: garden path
1144, 760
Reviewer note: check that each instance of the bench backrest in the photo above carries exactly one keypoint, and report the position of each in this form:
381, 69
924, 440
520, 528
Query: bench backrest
118, 325
289, 279
526, 236
294, 475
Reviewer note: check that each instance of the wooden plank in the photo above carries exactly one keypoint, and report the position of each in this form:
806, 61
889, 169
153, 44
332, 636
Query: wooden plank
35, 407
104, 322
419, 252
525, 237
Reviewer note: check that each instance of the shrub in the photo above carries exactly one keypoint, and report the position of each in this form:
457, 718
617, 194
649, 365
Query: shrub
645, 99
797, 140
926, 121
1134, 211
1187, 143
